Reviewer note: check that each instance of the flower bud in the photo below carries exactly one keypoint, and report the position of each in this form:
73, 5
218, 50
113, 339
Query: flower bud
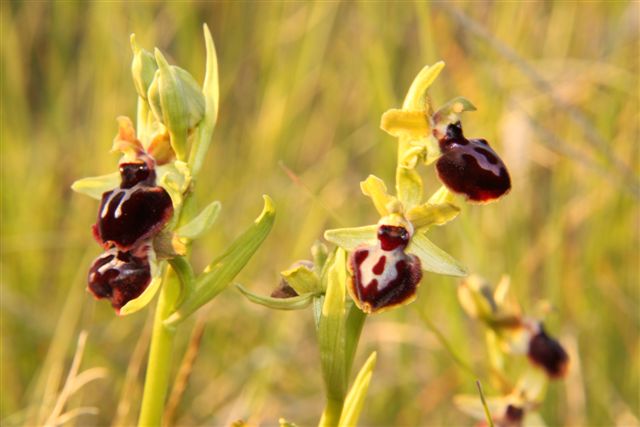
177, 101
143, 68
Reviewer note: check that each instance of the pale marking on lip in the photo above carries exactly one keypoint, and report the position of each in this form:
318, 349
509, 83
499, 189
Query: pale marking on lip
389, 273
468, 149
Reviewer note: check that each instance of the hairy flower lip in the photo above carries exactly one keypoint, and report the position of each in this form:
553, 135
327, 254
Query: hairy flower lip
471, 167
384, 276
547, 353
130, 216
119, 276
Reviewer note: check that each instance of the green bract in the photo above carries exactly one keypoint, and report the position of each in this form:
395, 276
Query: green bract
220, 272
143, 68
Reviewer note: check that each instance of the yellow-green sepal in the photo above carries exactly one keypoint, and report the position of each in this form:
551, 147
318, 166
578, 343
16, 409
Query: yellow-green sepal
427, 215
434, 259
95, 186
416, 96
351, 238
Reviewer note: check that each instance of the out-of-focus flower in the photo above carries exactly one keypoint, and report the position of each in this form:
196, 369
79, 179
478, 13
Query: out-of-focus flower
514, 333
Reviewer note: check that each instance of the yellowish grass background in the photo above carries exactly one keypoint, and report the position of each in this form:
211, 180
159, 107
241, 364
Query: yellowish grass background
304, 85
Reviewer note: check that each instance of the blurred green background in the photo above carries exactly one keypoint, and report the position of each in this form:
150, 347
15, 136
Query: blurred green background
303, 85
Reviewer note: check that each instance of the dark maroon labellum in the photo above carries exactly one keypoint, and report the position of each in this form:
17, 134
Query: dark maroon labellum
383, 274
471, 167
134, 212
547, 353
514, 416
119, 277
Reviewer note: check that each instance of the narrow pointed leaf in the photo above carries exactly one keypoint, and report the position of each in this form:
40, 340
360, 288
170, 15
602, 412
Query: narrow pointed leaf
375, 188
293, 303
410, 124
354, 402
408, 187
331, 332
428, 215
201, 223
223, 270
94, 186
351, 238
434, 259
302, 280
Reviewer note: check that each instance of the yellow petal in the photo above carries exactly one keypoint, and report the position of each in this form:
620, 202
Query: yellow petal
375, 188
416, 96
411, 124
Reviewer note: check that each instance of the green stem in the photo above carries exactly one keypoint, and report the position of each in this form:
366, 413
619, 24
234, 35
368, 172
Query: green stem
353, 325
158, 368
331, 413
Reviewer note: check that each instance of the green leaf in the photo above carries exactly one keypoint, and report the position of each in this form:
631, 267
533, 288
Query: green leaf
94, 186
201, 223
211, 92
147, 295
351, 238
376, 189
434, 259
331, 331
415, 99
354, 323
302, 280
354, 402
223, 270
293, 303
428, 215
408, 187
